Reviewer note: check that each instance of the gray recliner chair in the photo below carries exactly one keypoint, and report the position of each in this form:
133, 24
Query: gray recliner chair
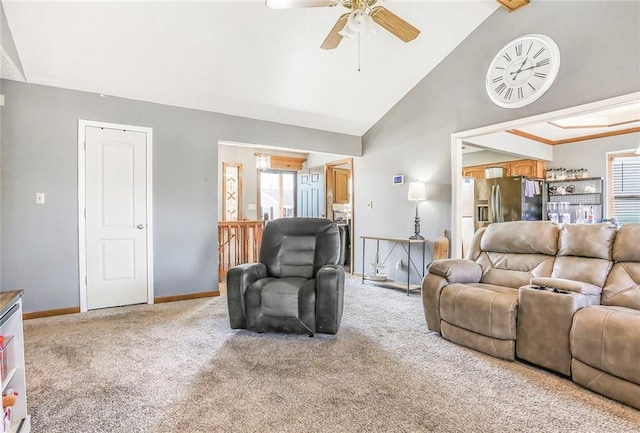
297, 287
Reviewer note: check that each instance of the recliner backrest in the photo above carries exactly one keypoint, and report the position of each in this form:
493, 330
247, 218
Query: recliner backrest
585, 253
298, 247
512, 253
622, 287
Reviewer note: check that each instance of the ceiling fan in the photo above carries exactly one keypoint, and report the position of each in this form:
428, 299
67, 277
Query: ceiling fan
359, 20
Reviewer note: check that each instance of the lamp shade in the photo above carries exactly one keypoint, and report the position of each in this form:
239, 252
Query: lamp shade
417, 191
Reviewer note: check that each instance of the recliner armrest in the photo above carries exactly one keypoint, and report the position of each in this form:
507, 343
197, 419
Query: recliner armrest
329, 298
238, 279
456, 270
568, 285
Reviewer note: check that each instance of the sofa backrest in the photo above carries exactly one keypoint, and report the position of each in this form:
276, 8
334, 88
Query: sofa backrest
512, 253
298, 247
585, 253
622, 286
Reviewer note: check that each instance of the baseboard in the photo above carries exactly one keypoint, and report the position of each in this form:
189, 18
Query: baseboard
162, 299
158, 300
48, 313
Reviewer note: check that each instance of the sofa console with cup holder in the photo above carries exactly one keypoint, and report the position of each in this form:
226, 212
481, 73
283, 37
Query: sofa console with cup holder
565, 297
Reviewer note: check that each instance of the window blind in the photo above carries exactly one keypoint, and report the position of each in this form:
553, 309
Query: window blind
625, 178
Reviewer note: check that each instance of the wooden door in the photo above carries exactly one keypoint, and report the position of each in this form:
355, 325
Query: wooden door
341, 185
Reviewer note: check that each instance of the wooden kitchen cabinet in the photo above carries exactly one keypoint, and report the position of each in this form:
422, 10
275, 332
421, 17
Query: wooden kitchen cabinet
476, 171
527, 167
521, 167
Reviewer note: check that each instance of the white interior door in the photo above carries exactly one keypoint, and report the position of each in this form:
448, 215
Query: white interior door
116, 217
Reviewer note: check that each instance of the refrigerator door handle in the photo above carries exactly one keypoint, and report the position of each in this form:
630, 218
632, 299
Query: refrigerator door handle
498, 207
491, 204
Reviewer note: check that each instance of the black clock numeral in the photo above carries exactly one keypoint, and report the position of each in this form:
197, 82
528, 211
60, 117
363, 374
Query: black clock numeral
540, 51
532, 88
542, 62
519, 50
497, 79
500, 88
507, 57
520, 93
499, 67
508, 94
539, 75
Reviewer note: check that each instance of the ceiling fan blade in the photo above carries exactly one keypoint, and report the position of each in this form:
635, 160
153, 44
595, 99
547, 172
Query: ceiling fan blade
334, 37
291, 4
394, 24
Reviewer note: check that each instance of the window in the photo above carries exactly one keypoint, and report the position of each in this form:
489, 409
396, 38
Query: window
277, 193
624, 187
232, 191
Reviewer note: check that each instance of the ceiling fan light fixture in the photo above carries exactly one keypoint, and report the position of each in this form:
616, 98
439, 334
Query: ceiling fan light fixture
357, 20
347, 32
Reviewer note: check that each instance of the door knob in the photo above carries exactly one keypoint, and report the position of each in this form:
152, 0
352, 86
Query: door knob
140, 226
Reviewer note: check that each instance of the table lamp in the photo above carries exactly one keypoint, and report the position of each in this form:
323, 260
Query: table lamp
417, 192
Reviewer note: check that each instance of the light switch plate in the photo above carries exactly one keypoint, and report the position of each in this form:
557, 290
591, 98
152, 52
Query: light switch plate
39, 198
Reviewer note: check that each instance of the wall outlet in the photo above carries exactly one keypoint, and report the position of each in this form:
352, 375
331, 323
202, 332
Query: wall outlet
370, 204
399, 264
39, 198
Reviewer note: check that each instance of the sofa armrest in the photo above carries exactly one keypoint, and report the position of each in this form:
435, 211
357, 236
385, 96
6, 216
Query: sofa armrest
329, 298
456, 270
239, 278
432, 286
441, 274
568, 285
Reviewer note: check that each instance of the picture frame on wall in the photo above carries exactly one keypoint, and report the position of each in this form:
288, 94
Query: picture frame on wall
398, 179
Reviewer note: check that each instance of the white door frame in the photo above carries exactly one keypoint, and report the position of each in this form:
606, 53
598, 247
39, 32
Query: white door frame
82, 243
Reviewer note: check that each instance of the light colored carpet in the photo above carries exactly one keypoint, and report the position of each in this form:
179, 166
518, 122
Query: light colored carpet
178, 367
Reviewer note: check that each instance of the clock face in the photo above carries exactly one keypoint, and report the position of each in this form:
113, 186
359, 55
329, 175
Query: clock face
522, 71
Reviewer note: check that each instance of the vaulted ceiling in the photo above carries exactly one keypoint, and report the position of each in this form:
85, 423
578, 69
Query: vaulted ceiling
235, 57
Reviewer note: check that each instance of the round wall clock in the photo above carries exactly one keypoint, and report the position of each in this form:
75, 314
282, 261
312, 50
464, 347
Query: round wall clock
522, 71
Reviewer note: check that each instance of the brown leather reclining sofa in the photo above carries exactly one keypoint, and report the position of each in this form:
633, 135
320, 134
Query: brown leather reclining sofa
564, 297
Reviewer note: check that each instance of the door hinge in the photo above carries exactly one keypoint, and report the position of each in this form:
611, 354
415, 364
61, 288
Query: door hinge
85, 212
85, 280
85, 145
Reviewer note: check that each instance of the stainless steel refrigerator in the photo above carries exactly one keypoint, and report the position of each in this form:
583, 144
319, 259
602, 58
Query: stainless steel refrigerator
513, 198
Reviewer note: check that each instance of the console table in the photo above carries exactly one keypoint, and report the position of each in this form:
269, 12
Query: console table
406, 244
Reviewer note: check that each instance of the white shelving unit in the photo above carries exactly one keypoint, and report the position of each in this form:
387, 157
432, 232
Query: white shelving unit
11, 326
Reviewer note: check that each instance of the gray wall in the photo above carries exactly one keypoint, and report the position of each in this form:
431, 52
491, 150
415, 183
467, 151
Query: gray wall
600, 48
592, 154
39, 154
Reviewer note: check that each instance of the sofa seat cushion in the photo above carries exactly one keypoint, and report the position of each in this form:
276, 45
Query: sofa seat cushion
282, 305
485, 309
608, 339
504, 349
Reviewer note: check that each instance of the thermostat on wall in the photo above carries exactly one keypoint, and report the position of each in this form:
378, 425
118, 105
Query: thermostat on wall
398, 179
